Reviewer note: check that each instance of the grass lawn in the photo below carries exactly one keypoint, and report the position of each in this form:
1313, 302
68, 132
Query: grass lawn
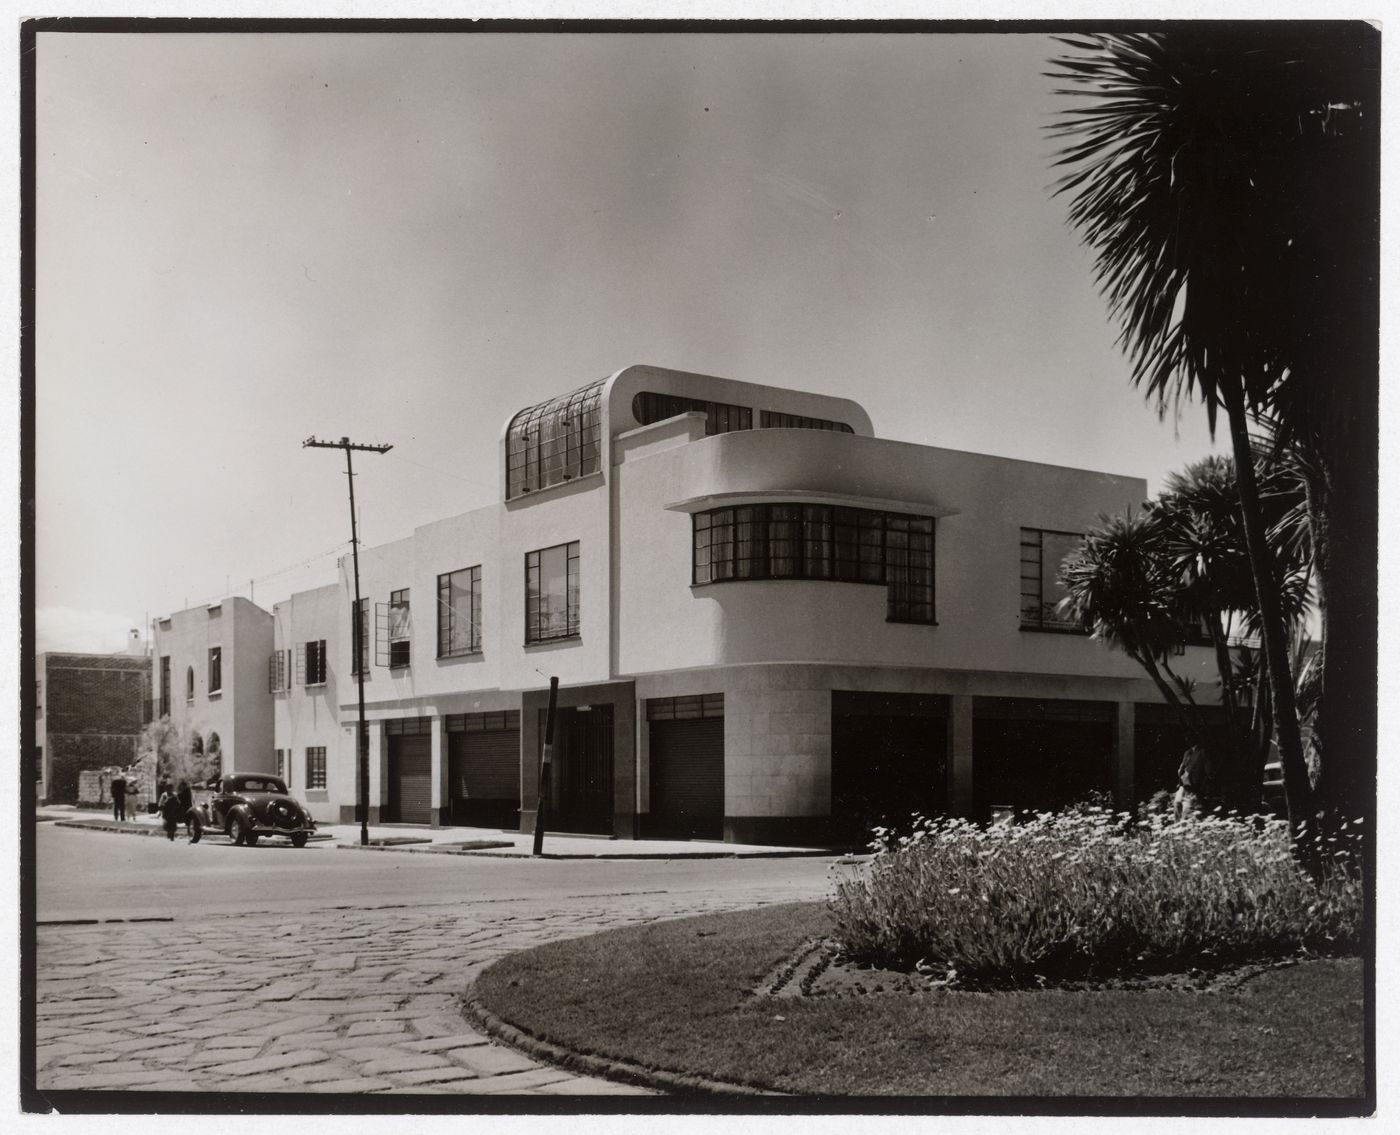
679, 996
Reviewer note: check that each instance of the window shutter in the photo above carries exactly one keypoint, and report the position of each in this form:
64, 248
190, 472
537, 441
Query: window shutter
381, 634
273, 663
301, 663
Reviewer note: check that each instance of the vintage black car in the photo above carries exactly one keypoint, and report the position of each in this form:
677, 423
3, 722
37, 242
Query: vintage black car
247, 806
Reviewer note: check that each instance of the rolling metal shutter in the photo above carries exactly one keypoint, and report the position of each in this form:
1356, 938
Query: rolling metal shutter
484, 777
410, 779
687, 777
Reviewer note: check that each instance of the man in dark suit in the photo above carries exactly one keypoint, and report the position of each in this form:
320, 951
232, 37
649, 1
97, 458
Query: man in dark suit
118, 790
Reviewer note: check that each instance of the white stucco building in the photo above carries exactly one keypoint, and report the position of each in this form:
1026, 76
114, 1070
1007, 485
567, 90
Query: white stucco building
768, 624
211, 674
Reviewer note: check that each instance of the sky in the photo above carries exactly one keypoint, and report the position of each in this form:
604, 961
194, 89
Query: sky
247, 240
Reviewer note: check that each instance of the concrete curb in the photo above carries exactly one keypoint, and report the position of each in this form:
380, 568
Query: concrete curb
661, 855
116, 827
586, 1064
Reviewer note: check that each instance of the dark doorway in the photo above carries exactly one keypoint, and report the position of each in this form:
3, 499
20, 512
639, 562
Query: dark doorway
1041, 755
410, 771
687, 778
888, 761
483, 764
581, 799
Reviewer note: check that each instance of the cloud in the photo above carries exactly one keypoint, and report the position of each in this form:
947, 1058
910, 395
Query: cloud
87, 632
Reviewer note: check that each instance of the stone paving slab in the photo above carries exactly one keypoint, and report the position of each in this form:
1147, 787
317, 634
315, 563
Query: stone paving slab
241, 1006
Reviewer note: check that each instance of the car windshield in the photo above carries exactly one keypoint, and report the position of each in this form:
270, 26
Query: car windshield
259, 784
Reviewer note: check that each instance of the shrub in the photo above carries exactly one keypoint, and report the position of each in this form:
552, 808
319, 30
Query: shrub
1088, 894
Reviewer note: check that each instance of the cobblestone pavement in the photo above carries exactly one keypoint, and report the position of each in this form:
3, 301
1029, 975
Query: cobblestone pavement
327, 1001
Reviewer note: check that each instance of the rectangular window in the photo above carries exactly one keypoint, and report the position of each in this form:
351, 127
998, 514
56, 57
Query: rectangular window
216, 669
772, 419
720, 417
359, 631
482, 722
459, 612
282, 769
686, 707
316, 766
39, 698
314, 662
165, 685
276, 671
792, 541
400, 630
1042, 553
551, 593
39, 763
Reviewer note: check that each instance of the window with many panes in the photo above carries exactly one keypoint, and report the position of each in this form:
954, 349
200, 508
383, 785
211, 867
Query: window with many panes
554, 441
720, 417
216, 669
1042, 553
316, 766
817, 541
277, 671
459, 612
400, 629
772, 419
314, 662
165, 685
359, 626
551, 593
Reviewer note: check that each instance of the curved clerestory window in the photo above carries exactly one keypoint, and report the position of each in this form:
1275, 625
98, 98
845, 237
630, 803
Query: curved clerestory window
720, 417
818, 541
554, 441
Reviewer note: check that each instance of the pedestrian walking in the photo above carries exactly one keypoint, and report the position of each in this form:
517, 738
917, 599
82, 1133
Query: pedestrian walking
171, 813
118, 790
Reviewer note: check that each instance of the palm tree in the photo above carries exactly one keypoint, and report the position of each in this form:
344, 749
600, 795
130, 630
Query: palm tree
1195, 169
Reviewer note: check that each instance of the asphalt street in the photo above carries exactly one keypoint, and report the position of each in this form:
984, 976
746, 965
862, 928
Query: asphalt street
169, 966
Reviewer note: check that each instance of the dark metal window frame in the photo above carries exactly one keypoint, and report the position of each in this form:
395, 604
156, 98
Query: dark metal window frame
360, 665
1041, 622
777, 420
685, 707
315, 767
449, 617
649, 407
572, 600
400, 648
314, 655
831, 543
555, 441
216, 669
497, 721
165, 685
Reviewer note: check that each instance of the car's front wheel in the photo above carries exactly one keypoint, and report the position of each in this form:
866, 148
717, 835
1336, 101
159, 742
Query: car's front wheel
238, 831
298, 839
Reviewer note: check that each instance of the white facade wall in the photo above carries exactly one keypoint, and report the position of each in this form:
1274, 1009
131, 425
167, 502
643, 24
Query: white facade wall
775, 649
307, 716
241, 711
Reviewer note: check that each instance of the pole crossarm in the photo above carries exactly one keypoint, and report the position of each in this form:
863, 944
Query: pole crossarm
344, 443
362, 736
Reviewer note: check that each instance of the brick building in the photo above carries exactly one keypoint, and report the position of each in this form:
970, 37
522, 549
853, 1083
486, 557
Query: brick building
89, 711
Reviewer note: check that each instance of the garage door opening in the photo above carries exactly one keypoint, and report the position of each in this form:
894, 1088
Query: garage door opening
1041, 755
686, 767
888, 760
410, 771
483, 769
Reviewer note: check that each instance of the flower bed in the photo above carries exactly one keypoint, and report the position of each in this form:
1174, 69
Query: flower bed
1087, 894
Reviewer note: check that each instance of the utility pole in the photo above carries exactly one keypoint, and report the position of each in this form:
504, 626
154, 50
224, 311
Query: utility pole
546, 763
361, 737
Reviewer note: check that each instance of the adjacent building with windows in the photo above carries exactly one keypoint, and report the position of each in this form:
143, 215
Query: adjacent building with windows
768, 624
89, 710
210, 675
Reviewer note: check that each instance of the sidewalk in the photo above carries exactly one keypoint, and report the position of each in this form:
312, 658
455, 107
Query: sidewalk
492, 842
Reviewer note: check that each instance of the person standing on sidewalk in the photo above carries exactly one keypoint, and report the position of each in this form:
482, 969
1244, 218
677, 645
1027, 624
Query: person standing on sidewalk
171, 813
118, 790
